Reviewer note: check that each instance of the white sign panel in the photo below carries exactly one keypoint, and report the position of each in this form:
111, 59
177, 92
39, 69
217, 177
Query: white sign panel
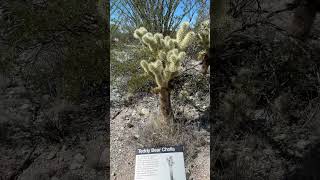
161, 163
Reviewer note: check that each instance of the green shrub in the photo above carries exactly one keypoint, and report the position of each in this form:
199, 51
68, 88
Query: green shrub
129, 68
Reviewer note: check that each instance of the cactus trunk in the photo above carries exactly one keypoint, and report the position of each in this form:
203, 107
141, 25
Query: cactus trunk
165, 105
205, 64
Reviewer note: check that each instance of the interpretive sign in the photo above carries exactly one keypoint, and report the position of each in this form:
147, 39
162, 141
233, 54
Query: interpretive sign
160, 163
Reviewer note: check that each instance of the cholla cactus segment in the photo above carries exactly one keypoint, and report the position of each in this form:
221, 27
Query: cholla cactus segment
158, 37
205, 26
187, 40
144, 65
181, 56
138, 33
168, 43
175, 58
150, 41
184, 37
162, 56
202, 54
204, 33
155, 66
182, 31
203, 38
157, 69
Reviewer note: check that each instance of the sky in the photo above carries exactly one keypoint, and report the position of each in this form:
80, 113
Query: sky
180, 11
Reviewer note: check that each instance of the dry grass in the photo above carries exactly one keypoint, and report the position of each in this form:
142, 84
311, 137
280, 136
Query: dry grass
175, 133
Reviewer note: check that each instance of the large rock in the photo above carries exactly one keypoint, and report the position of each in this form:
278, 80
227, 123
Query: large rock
79, 158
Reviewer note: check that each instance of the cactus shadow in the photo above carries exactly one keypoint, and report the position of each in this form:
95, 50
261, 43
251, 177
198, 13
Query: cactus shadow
203, 120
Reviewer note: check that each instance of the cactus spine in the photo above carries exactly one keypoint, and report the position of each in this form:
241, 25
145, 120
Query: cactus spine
164, 62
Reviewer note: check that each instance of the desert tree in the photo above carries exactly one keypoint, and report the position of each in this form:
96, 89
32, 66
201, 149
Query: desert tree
163, 16
203, 13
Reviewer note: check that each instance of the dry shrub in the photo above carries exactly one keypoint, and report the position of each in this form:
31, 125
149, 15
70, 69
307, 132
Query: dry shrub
55, 122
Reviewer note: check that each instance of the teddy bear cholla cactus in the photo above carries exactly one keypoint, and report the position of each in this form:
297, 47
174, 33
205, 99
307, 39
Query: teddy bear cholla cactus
203, 37
164, 62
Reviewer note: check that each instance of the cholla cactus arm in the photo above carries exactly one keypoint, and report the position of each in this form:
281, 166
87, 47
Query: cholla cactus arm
150, 41
181, 33
174, 65
187, 40
202, 54
138, 33
204, 33
157, 69
168, 43
184, 37
158, 37
175, 58
144, 65
162, 56
203, 38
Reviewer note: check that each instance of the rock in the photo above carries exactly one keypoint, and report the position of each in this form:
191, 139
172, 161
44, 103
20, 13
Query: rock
64, 148
45, 98
260, 114
302, 144
79, 158
61, 159
144, 111
197, 95
54, 178
4, 81
94, 153
136, 137
268, 151
51, 155
25, 106
71, 177
298, 154
100, 177
280, 137
75, 165
41, 176
129, 125
103, 161
18, 90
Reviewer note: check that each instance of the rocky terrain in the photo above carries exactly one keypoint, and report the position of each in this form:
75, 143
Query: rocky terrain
265, 124
132, 117
44, 138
